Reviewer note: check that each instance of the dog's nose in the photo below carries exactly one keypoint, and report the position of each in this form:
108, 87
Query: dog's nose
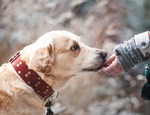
103, 54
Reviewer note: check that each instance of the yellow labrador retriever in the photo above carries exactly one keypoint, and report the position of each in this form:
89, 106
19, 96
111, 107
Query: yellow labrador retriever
38, 70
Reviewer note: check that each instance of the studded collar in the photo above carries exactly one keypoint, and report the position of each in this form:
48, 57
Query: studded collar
30, 77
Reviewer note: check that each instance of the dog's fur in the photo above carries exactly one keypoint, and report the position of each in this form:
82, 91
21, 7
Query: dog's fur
56, 57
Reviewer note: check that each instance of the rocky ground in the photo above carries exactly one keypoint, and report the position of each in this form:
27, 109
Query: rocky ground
101, 24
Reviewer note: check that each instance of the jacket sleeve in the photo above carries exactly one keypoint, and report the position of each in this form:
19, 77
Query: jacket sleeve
133, 51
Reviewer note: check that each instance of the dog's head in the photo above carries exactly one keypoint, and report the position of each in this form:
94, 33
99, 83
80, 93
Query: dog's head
61, 53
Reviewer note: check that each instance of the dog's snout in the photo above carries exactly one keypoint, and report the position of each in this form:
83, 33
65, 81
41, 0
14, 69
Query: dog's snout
103, 54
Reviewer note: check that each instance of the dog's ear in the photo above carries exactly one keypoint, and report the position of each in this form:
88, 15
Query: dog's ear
42, 60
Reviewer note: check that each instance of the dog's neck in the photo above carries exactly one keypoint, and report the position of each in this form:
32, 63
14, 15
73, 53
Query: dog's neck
30, 77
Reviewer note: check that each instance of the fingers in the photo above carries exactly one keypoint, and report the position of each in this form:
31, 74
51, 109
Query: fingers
114, 67
116, 71
110, 60
110, 67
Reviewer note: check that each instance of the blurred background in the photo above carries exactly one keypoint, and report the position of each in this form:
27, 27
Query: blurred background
101, 24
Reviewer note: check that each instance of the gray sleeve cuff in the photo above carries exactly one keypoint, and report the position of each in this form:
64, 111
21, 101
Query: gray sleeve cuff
123, 59
124, 64
128, 54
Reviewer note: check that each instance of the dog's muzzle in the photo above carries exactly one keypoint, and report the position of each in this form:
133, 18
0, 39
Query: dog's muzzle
99, 63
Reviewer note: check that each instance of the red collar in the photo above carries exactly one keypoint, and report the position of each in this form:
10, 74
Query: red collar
31, 78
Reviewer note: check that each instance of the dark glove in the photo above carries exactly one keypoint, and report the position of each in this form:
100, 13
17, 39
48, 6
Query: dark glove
146, 88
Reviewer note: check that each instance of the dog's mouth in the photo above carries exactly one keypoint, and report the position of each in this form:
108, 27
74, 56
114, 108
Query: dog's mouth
92, 69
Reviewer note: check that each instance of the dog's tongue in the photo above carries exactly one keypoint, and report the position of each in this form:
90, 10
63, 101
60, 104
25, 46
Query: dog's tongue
105, 65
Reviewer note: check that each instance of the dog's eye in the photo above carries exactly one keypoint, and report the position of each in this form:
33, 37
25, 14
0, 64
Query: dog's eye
75, 47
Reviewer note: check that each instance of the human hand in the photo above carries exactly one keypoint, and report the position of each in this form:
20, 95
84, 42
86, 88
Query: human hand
112, 65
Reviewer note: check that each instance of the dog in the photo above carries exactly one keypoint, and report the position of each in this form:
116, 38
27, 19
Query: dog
43, 67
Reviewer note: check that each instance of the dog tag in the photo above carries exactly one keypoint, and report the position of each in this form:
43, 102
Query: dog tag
49, 111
